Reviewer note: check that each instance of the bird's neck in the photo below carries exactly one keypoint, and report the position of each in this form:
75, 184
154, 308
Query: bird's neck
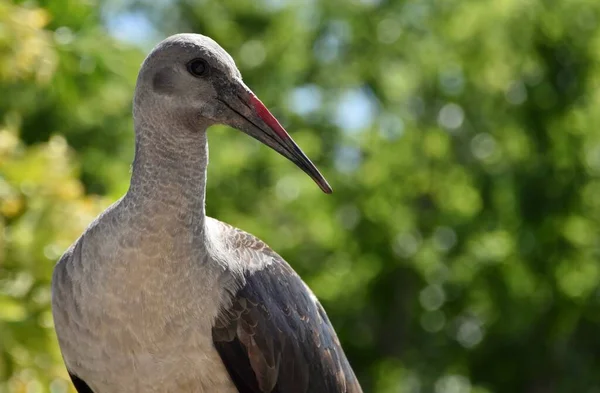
169, 176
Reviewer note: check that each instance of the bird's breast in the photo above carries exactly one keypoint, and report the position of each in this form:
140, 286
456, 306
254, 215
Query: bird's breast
145, 319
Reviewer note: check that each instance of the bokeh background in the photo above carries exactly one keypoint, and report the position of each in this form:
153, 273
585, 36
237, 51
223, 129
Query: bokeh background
460, 251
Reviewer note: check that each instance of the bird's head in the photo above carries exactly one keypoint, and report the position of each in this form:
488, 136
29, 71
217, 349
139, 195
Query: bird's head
190, 80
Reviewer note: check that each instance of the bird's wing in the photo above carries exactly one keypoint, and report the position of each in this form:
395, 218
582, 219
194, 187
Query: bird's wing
275, 337
80, 384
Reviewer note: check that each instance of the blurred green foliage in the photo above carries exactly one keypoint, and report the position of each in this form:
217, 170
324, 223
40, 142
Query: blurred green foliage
460, 251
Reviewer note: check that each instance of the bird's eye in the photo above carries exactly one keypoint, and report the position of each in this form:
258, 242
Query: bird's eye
198, 67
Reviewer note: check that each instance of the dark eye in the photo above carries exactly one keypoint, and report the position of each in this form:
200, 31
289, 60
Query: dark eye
198, 67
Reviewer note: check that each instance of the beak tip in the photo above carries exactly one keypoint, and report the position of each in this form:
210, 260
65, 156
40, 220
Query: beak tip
300, 159
326, 188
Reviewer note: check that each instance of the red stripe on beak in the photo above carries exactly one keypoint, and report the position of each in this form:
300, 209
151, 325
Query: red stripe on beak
267, 117
293, 152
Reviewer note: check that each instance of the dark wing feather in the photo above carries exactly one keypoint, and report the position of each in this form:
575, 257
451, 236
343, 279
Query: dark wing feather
79, 384
276, 337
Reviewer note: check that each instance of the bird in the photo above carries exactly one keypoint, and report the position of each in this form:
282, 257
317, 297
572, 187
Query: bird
155, 296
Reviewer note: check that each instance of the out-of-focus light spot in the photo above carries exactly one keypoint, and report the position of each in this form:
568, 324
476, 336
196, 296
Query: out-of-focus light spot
579, 231
348, 216
433, 321
444, 238
275, 5
451, 116
34, 386
469, 333
410, 383
87, 65
45, 320
483, 145
566, 79
586, 19
10, 204
534, 77
347, 159
415, 13
392, 127
592, 159
406, 244
287, 188
8, 140
438, 275
44, 361
42, 295
305, 99
57, 145
19, 286
59, 386
52, 251
452, 80
329, 46
578, 279
416, 106
355, 110
341, 29
63, 36
309, 15
252, 53
131, 27
516, 93
432, 297
452, 384
493, 246
589, 193
388, 31
23, 356
370, 3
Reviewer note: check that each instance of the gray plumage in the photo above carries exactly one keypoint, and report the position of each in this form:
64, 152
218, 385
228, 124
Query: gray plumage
155, 296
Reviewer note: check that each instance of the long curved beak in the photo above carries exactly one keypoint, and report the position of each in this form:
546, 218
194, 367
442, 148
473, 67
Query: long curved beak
257, 121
